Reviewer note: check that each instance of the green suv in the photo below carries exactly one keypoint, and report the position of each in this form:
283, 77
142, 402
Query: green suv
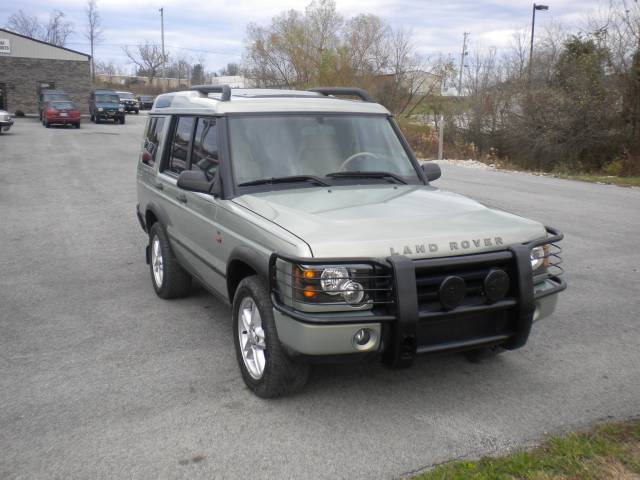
105, 105
310, 215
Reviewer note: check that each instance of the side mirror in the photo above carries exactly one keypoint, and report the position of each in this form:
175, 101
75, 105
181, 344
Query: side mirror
431, 171
195, 181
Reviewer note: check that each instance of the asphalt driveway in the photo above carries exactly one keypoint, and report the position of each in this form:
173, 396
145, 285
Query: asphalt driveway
99, 378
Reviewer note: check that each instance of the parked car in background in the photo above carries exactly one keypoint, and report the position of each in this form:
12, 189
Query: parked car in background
145, 102
48, 95
129, 102
105, 105
61, 113
5, 121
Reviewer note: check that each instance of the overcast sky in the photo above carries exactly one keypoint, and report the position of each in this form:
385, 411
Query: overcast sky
215, 30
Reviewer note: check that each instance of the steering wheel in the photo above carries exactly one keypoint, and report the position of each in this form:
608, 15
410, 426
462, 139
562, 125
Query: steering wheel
343, 166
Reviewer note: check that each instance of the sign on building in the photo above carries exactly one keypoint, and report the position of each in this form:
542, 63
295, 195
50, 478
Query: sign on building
5, 46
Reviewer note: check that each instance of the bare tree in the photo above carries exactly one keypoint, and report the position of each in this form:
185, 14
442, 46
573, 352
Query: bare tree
58, 30
148, 59
93, 31
25, 24
366, 41
180, 68
231, 69
109, 69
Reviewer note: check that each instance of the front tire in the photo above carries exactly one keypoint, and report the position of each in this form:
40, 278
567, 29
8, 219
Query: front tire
168, 278
265, 366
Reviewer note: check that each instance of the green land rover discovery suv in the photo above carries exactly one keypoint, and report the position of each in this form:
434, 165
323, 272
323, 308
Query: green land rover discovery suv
310, 215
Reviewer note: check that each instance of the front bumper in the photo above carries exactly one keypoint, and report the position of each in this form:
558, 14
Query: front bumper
63, 120
409, 327
110, 115
6, 125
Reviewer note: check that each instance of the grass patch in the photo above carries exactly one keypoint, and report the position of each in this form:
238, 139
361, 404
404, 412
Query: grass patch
610, 451
609, 180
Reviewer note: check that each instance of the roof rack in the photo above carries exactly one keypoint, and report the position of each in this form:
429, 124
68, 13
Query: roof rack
357, 92
225, 90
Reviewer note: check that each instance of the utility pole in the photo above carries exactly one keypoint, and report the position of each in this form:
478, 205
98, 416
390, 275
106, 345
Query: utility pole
533, 27
441, 118
441, 136
464, 54
164, 58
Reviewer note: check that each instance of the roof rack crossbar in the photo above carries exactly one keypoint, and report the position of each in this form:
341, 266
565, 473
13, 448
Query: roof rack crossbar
357, 92
225, 90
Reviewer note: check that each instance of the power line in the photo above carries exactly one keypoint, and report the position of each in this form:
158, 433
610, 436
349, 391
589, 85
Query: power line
213, 52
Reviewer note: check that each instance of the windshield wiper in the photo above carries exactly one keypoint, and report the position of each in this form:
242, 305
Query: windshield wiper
360, 174
291, 179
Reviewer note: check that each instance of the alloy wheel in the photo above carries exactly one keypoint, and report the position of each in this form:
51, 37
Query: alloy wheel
157, 263
252, 338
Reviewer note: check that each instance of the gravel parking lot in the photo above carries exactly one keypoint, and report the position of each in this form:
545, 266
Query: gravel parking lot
101, 379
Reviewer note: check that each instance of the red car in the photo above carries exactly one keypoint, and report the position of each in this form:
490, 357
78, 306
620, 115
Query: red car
61, 112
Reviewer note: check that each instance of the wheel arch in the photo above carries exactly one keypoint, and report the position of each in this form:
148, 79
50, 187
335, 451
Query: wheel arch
150, 218
244, 262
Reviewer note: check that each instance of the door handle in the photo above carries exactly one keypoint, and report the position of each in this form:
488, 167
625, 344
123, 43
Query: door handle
158, 185
181, 197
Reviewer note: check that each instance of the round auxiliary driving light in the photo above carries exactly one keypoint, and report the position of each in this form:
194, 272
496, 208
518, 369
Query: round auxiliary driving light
352, 292
452, 290
496, 284
364, 339
332, 279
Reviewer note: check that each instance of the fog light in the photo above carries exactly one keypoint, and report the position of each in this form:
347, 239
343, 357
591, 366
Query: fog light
364, 339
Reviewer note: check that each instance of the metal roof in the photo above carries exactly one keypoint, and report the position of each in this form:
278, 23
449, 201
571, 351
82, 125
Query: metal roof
41, 42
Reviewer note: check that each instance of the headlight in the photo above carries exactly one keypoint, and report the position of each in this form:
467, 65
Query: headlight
121, 109
539, 257
332, 279
325, 288
100, 109
332, 284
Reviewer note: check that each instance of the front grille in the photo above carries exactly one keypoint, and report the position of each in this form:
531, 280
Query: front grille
476, 320
473, 269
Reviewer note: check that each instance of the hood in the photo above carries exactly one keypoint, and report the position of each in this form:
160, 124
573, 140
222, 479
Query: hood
382, 220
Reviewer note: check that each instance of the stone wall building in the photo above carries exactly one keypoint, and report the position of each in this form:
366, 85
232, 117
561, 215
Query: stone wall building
28, 65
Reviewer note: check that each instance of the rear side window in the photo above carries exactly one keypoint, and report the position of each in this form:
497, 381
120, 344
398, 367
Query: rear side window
178, 156
205, 147
152, 140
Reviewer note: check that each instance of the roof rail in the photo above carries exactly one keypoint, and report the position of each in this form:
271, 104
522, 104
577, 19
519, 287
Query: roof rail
225, 90
358, 92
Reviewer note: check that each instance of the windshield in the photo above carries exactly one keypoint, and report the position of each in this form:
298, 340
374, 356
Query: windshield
62, 105
55, 96
126, 95
107, 98
316, 145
